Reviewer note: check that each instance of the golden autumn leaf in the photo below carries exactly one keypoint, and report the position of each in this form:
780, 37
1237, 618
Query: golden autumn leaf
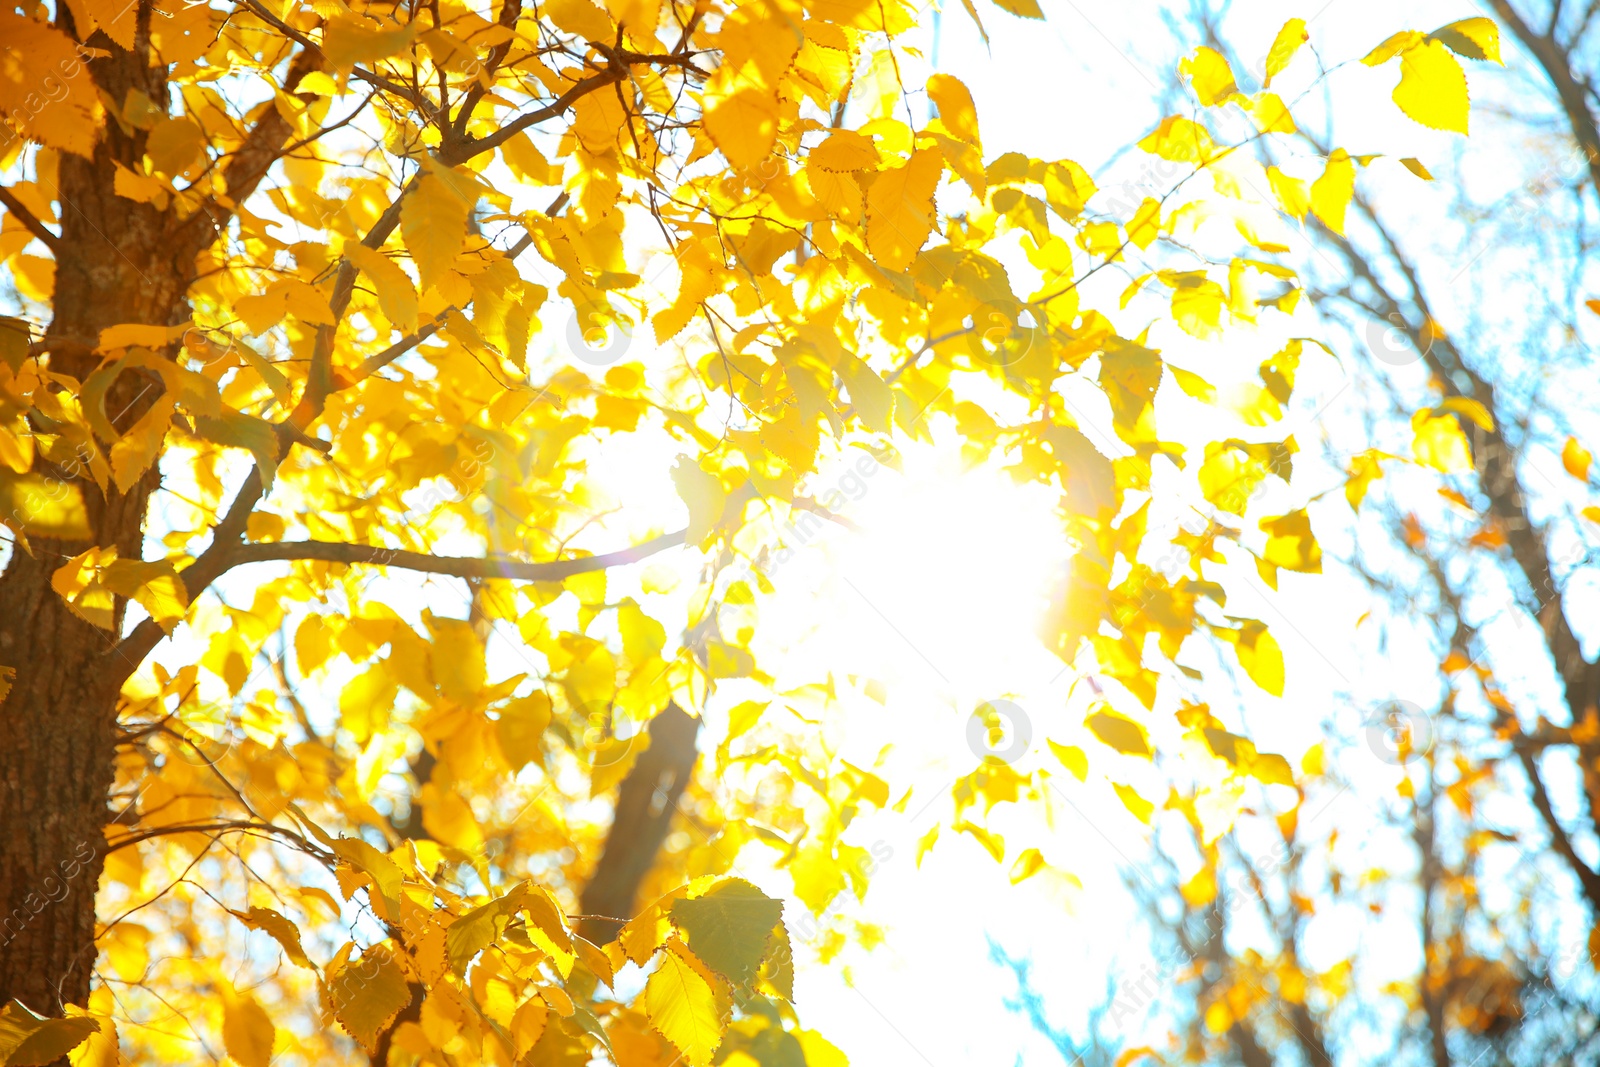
1209, 76
433, 220
900, 209
44, 89
681, 1001
247, 1030
1433, 87
1284, 46
1331, 193
1576, 459
367, 993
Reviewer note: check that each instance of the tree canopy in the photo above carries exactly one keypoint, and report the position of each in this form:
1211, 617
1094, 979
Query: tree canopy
321, 309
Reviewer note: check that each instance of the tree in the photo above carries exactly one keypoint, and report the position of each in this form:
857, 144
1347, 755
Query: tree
279, 285
1465, 836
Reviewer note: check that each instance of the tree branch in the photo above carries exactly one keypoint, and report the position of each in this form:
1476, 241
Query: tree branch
454, 566
29, 221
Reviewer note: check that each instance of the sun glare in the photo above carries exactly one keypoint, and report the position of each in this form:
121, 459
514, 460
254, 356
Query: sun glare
938, 589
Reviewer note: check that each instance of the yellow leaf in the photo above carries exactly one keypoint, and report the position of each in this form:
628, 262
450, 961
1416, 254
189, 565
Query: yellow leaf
1284, 46
33, 57
1028, 9
1138, 805
367, 994
1258, 654
1145, 225
1120, 733
117, 19
449, 818
1476, 38
28, 1040
1392, 47
1439, 443
900, 209
1331, 193
247, 1030
131, 334
100, 1048
1291, 192
43, 506
521, 727
1471, 409
1270, 115
1201, 889
433, 222
743, 123
1576, 459
1028, 864
681, 1002
175, 145
136, 450
1291, 544
582, 18
956, 111
844, 150
1072, 758
156, 587
458, 658
817, 878
1210, 76
1433, 87
397, 296
702, 491
280, 929
1415, 167
1180, 140
348, 41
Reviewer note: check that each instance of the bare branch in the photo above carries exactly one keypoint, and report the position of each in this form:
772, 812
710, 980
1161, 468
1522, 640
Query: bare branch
29, 221
455, 566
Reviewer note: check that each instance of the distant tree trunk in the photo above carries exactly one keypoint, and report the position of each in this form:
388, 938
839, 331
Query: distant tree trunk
646, 803
57, 726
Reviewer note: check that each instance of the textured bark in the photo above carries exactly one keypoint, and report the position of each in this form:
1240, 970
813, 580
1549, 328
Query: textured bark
646, 802
117, 261
57, 726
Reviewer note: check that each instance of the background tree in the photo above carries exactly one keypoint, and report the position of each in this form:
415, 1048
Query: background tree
279, 272
1455, 818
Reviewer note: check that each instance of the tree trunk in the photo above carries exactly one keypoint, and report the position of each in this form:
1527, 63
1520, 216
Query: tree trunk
114, 264
646, 803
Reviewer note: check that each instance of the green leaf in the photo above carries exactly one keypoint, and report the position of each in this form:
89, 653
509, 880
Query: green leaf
729, 927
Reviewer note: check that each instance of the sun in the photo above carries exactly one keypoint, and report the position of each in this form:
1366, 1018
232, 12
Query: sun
935, 584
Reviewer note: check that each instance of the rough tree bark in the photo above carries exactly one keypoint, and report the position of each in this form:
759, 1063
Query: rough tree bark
117, 261
57, 726
646, 803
